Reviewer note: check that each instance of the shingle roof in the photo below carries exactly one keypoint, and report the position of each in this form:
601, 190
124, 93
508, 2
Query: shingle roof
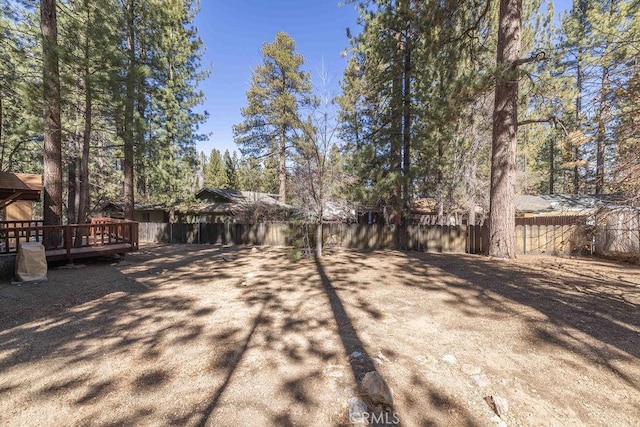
241, 197
582, 203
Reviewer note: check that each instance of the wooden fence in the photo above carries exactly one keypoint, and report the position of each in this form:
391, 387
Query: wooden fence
618, 232
552, 239
565, 239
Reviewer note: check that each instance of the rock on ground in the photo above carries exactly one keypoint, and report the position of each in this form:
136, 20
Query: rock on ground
499, 405
377, 388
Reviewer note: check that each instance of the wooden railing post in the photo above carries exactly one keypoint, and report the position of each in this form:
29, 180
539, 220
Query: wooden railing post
67, 240
6, 240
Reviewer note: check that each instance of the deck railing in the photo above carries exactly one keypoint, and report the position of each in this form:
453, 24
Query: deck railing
21, 223
99, 234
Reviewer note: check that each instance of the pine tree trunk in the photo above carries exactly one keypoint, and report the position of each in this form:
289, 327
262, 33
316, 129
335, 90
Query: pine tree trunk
83, 205
142, 180
84, 188
73, 165
505, 125
396, 135
471, 201
601, 132
128, 115
582, 6
406, 126
51, 100
72, 181
576, 149
552, 166
440, 184
282, 171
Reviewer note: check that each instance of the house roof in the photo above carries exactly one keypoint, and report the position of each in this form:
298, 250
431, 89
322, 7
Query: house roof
20, 186
558, 203
233, 201
238, 196
119, 206
209, 208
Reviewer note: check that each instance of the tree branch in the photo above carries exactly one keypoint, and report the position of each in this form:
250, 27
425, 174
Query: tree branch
538, 56
551, 119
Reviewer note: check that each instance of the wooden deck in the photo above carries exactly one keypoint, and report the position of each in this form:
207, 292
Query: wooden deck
104, 236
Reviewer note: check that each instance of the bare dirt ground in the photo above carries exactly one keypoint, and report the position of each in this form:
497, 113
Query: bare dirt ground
176, 335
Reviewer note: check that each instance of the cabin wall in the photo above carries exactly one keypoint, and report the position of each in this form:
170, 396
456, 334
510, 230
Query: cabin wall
20, 210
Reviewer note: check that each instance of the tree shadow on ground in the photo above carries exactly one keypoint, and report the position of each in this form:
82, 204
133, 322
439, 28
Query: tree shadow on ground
301, 317
55, 331
295, 326
572, 300
68, 315
351, 343
232, 360
281, 327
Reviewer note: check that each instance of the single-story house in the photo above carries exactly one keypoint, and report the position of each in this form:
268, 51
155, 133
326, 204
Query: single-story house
220, 205
215, 205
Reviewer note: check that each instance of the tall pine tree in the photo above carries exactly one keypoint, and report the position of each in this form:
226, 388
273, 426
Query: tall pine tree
279, 89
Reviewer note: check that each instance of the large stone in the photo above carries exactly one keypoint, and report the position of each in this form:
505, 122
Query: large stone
499, 405
377, 388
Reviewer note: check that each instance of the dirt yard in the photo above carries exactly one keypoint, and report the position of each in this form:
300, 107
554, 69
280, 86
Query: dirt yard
177, 335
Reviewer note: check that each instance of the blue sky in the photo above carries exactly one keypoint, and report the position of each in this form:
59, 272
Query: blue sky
234, 32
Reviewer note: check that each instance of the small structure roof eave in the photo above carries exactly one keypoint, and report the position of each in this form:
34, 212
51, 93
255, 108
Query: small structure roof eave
138, 207
19, 186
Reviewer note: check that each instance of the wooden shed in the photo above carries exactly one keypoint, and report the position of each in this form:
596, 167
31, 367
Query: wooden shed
18, 191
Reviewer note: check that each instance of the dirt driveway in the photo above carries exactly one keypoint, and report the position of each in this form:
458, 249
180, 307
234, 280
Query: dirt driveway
177, 335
